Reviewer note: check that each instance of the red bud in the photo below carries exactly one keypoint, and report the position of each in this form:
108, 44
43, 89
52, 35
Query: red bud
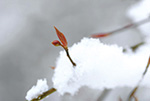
56, 43
61, 37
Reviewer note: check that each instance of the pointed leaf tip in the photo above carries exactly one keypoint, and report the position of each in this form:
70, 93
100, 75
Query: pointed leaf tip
61, 37
56, 43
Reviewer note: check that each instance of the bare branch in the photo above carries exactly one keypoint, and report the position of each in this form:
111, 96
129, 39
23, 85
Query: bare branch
45, 94
132, 25
135, 89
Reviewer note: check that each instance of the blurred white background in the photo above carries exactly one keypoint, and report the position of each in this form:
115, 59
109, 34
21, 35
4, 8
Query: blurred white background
26, 33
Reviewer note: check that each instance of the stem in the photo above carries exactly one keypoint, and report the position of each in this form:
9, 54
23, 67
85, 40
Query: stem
132, 25
67, 52
135, 47
135, 89
45, 94
132, 93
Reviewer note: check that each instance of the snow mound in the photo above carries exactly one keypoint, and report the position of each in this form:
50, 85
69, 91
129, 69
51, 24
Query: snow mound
99, 66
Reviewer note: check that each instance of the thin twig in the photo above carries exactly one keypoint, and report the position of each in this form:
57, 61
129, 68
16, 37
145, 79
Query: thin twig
134, 47
135, 98
45, 94
135, 89
132, 25
67, 52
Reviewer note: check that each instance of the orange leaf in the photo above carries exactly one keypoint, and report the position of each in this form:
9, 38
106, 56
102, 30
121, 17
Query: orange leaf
100, 35
56, 43
61, 37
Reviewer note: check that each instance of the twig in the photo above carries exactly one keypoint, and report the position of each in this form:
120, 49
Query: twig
135, 47
45, 94
135, 89
67, 52
135, 98
132, 25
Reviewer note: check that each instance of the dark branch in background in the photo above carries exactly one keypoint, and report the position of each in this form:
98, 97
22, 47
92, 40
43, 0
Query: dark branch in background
132, 25
45, 94
135, 89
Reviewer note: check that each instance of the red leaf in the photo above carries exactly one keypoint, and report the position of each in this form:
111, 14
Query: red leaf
56, 43
61, 37
100, 35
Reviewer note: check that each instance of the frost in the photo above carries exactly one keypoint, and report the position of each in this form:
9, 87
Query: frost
99, 66
37, 90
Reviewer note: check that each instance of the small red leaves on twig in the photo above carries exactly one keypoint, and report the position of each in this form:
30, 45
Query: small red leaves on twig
100, 35
56, 43
61, 37
63, 43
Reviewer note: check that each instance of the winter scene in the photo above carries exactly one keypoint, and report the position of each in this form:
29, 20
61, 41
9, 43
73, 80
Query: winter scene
80, 50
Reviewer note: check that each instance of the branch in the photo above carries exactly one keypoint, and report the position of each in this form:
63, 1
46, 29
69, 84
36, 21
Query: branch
45, 94
132, 25
135, 89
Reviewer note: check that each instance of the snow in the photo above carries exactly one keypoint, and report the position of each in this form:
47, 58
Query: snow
99, 66
37, 90
139, 12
